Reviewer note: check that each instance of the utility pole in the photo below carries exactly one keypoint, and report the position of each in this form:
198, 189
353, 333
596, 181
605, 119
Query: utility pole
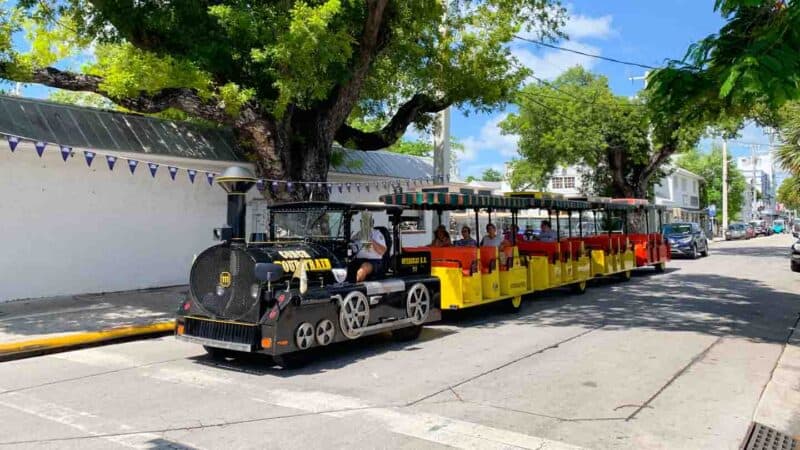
724, 185
753, 201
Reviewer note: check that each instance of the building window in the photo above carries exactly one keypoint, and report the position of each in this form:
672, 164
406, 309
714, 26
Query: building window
683, 183
557, 182
569, 182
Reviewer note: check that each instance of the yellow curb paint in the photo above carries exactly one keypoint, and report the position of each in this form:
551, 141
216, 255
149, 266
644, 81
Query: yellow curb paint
88, 337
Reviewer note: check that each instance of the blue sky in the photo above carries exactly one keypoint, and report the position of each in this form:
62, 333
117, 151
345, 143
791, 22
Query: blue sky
647, 32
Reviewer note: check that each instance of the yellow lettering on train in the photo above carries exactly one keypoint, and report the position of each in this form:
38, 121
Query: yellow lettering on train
312, 265
412, 261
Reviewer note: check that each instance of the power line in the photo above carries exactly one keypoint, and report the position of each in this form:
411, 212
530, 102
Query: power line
591, 55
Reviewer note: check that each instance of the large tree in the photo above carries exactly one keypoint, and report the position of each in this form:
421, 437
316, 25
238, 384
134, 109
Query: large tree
789, 193
709, 166
577, 120
286, 76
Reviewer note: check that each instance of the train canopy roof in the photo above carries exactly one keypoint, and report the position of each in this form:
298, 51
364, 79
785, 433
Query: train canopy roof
337, 206
448, 201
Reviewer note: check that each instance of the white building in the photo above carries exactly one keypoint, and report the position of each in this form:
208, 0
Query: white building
69, 228
761, 174
680, 192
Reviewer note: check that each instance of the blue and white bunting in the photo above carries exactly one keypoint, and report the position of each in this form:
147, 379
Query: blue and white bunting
210, 177
65, 152
153, 169
340, 187
289, 187
366, 186
132, 163
192, 173
40, 147
172, 172
13, 141
261, 185
274, 187
89, 157
111, 161
348, 187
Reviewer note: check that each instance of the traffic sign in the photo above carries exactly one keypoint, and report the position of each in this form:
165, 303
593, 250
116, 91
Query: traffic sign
712, 210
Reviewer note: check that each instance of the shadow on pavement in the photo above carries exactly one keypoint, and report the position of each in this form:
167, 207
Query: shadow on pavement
323, 359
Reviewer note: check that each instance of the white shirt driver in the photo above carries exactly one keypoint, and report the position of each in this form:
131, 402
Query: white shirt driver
367, 252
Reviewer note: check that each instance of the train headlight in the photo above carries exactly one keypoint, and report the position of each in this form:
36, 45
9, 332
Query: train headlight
255, 289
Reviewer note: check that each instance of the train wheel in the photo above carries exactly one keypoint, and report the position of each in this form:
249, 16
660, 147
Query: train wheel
354, 314
579, 287
294, 360
418, 304
660, 267
407, 333
514, 304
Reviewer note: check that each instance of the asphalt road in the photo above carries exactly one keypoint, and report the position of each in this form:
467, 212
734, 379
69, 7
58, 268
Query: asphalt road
677, 360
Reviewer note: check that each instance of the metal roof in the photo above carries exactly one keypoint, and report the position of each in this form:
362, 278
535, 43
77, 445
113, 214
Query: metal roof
449, 201
96, 129
384, 164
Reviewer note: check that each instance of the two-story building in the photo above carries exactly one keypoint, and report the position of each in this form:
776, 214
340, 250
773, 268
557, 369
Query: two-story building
680, 193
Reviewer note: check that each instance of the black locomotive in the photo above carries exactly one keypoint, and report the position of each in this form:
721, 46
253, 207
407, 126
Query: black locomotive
296, 289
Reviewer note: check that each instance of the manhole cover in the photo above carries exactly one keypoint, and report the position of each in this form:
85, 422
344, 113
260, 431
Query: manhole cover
762, 437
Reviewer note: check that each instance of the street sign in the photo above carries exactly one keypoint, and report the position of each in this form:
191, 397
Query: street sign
712, 210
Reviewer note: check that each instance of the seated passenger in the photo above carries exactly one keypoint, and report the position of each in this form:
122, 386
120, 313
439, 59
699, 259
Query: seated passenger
492, 239
547, 234
466, 238
369, 258
441, 238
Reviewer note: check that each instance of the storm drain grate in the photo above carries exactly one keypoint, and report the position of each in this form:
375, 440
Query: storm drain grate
762, 437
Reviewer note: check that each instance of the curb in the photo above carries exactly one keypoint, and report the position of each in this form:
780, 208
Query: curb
31, 347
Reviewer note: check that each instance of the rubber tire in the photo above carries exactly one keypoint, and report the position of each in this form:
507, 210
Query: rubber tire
695, 254
795, 267
219, 354
293, 360
578, 288
626, 275
510, 307
704, 253
407, 334
660, 267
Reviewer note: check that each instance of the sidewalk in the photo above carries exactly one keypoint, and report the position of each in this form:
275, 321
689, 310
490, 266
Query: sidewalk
29, 327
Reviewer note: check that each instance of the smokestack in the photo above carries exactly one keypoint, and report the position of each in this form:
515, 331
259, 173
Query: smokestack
236, 181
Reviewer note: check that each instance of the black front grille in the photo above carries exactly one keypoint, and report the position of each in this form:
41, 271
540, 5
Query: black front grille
230, 301
222, 331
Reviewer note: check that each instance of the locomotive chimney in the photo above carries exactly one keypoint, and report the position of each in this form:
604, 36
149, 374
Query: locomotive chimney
236, 181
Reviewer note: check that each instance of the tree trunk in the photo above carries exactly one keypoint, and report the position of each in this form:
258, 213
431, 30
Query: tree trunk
294, 149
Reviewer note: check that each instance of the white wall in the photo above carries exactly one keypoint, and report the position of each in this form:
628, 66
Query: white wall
68, 229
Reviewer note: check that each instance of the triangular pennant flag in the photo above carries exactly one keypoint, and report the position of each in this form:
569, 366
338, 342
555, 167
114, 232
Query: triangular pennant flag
366, 186
40, 147
358, 187
89, 157
308, 186
348, 187
65, 152
153, 169
111, 160
132, 163
340, 188
261, 185
192, 174
290, 187
274, 186
210, 177
172, 172
13, 141
330, 188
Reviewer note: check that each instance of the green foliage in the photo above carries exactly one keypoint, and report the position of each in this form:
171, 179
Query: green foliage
85, 99
577, 120
709, 166
748, 69
789, 153
491, 175
789, 193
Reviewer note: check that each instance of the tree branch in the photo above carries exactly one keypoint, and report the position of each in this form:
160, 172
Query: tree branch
183, 99
411, 111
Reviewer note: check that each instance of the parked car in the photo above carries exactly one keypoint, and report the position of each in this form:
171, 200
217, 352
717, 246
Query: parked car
750, 231
778, 226
735, 231
761, 228
686, 239
795, 257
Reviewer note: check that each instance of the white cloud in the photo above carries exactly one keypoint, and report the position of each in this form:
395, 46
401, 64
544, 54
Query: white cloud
552, 63
490, 139
579, 27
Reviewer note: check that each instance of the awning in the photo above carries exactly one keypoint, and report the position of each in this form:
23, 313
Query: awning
448, 201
